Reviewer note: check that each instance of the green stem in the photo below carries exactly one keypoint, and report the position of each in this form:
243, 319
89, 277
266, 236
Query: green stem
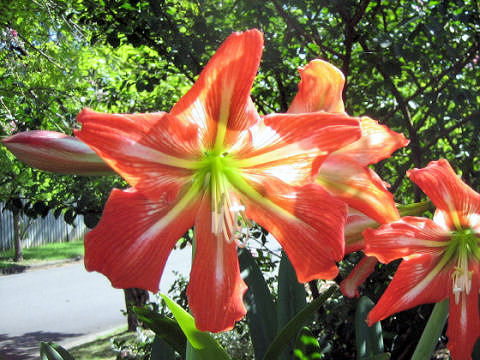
432, 332
415, 209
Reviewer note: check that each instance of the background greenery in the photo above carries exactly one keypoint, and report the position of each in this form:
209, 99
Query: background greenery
411, 64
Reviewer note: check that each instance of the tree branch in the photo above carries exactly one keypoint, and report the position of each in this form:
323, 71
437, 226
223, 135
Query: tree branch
155, 45
350, 35
49, 59
444, 132
403, 107
361, 11
307, 36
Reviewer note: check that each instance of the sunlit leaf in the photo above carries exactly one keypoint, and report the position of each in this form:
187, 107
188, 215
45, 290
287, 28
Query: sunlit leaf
204, 345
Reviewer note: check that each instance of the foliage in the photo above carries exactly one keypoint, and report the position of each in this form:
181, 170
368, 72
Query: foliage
412, 65
104, 348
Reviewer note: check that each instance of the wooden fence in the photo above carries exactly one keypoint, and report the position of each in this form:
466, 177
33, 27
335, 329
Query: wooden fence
40, 231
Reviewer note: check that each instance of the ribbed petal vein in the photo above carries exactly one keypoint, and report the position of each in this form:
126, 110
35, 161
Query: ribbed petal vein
418, 280
378, 142
359, 186
306, 221
291, 147
408, 236
134, 237
154, 152
219, 101
215, 292
464, 322
320, 89
448, 192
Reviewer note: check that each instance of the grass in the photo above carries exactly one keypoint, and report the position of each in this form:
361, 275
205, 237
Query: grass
101, 349
41, 254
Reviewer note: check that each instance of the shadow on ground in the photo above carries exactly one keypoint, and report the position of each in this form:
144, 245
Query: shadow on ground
26, 346
13, 269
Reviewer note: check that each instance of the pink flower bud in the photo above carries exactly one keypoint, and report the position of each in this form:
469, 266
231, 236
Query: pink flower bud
55, 152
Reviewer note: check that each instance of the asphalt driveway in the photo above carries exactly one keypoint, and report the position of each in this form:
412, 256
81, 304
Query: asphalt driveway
63, 304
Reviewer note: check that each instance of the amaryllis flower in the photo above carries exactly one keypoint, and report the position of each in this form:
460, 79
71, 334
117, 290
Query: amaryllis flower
55, 152
345, 172
440, 256
214, 163
356, 224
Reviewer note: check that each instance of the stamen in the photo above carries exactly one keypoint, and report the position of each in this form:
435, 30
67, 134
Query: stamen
462, 277
229, 221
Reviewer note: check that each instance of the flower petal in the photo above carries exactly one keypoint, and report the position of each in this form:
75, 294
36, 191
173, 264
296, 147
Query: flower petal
215, 292
134, 237
290, 147
360, 187
449, 193
320, 88
408, 236
418, 280
463, 321
219, 101
155, 153
378, 142
56, 152
357, 222
357, 276
307, 222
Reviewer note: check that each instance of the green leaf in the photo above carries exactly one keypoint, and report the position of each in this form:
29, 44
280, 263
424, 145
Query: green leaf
205, 346
49, 351
164, 327
192, 354
291, 296
369, 340
307, 346
295, 324
161, 350
261, 316
429, 339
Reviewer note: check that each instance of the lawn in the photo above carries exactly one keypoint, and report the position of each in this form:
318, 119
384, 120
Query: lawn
101, 349
40, 254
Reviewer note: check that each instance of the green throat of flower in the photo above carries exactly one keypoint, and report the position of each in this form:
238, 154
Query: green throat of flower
219, 176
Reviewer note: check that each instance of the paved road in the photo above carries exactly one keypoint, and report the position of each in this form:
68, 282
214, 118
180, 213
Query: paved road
63, 304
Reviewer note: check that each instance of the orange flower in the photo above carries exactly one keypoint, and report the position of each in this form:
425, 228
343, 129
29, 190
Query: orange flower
440, 257
214, 163
345, 172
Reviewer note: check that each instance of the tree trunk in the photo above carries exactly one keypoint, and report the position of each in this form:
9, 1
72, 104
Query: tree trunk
17, 238
134, 297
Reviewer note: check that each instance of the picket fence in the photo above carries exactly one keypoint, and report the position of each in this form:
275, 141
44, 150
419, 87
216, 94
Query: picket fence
40, 231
